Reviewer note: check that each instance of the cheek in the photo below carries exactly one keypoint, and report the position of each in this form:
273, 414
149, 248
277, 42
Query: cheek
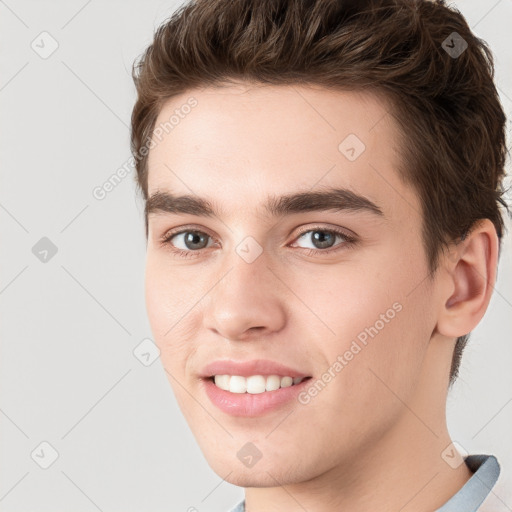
169, 335
168, 293
373, 315
368, 362
169, 300
158, 300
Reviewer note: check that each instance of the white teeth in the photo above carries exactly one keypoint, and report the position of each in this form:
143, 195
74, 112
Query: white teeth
237, 384
273, 383
222, 382
254, 384
286, 382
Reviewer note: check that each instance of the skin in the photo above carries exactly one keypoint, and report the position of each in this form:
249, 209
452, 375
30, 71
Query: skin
372, 438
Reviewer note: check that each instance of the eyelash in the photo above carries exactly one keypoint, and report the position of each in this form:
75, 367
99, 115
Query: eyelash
349, 240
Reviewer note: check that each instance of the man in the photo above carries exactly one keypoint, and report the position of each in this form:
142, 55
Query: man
322, 186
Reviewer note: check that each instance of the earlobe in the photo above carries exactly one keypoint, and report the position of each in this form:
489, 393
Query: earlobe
471, 275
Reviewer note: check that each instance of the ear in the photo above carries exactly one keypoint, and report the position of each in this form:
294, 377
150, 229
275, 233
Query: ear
470, 273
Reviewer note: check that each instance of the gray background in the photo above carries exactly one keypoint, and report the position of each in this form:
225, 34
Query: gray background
69, 325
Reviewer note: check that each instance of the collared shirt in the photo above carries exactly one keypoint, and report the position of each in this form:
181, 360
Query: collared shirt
485, 469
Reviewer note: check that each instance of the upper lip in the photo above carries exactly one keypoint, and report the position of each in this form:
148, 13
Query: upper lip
248, 368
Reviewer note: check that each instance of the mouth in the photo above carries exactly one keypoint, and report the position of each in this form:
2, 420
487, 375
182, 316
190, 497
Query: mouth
255, 395
254, 384
252, 388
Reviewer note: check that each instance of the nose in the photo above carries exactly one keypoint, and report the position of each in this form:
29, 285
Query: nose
247, 302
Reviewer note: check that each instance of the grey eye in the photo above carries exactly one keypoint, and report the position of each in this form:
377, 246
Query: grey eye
321, 239
192, 240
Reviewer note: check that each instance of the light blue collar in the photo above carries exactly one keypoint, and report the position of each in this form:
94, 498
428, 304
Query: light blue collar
486, 471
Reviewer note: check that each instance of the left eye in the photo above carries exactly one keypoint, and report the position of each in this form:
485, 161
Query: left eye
322, 238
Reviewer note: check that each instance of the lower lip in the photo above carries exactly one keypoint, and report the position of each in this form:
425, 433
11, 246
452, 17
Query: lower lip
248, 404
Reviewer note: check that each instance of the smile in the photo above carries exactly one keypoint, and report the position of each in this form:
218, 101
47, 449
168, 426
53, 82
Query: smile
254, 384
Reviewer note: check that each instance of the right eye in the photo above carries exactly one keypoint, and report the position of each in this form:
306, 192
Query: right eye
186, 241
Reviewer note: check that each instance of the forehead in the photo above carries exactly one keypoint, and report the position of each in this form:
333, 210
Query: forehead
239, 144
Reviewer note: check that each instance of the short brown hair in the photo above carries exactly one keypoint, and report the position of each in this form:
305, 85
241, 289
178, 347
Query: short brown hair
447, 105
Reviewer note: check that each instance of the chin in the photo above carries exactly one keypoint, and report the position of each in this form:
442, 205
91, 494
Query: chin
262, 474
253, 478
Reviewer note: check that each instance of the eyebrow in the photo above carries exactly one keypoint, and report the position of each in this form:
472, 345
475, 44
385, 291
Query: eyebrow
335, 199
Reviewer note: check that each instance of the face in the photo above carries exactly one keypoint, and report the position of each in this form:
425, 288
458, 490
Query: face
332, 287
